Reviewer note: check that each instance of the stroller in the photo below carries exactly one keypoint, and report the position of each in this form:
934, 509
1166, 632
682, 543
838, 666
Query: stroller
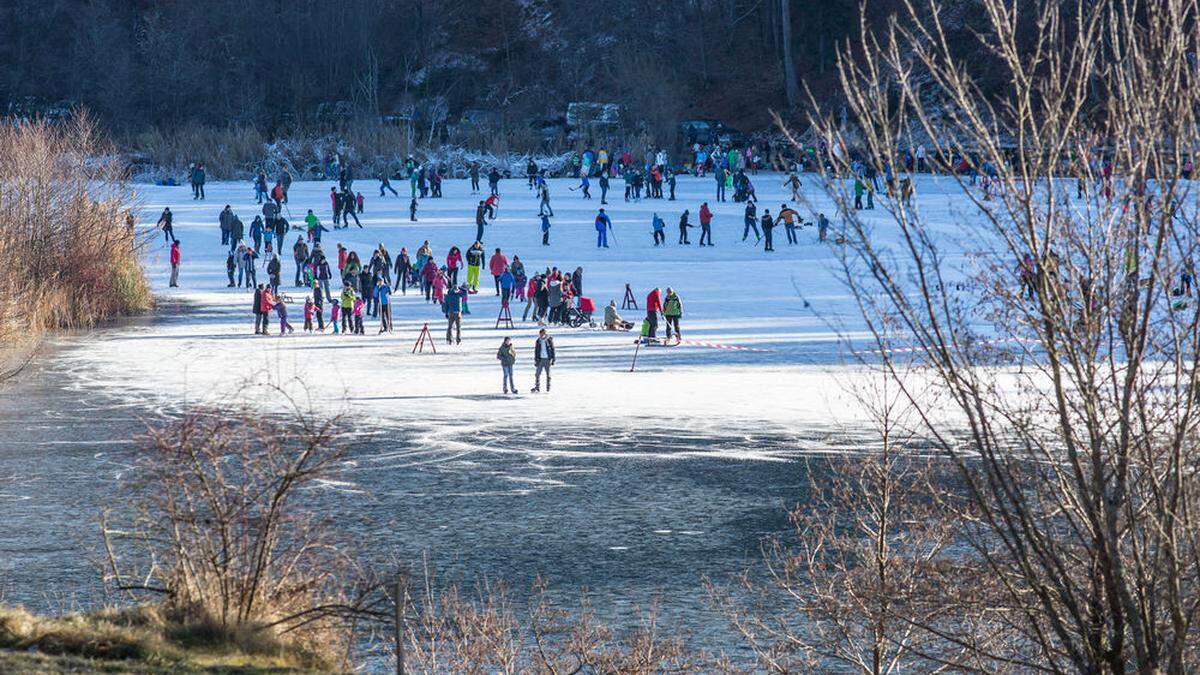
578, 316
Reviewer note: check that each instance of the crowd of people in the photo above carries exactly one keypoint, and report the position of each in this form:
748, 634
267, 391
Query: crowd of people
342, 290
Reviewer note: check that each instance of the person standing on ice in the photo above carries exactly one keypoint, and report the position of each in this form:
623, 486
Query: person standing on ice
273, 273
603, 227
653, 307
789, 218
822, 227
174, 259
383, 300
531, 171
507, 356
545, 230
604, 188
496, 265
494, 181
543, 358
454, 263
285, 182
544, 204
683, 228
224, 219
198, 177
706, 217
256, 232
672, 310
474, 265
300, 256
480, 220
260, 187
751, 223
659, 229
671, 184
719, 177
768, 227
454, 309
473, 172
260, 321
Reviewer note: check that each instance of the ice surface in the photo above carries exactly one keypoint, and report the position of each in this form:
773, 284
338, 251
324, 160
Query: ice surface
733, 293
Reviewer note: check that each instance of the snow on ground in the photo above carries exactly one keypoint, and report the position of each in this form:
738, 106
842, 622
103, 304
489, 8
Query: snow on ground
733, 294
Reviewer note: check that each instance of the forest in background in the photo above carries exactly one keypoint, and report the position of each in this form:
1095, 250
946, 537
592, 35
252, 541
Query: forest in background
291, 66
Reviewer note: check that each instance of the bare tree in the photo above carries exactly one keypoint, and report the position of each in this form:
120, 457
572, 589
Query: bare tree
1062, 349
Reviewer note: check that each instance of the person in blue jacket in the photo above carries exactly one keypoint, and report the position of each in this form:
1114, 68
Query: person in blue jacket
507, 281
256, 232
454, 309
545, 230
603, 225
659, 227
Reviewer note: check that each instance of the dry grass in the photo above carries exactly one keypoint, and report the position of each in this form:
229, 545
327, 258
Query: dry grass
70, 257
139, 639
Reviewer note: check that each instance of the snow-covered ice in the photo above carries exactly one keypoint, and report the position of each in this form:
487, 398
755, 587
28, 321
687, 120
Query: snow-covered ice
733, 294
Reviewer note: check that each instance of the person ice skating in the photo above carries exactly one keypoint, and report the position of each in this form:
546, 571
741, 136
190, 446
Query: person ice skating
543, 357
358, 201
349, 208
653, 307
706, 217
165, 223
335, 313
347, 306
490, 205
544, 203
859, 189
604, 188
822, 227
260, 187
473, 172
386, 185
223, 219
230, 268
545, 230
719, 177
174, 258
603, 227
672, 311
412, 211
454, 308
658, 227
790, 218
683, 228
613, 320
248, 266
474, 265
281, 311
585, 185
671, 184
793, 183
507, 355
751, 222
496, 265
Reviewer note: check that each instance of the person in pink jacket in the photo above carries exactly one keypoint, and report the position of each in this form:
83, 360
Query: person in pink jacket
496, 265
428, 274
454, 263
439, 287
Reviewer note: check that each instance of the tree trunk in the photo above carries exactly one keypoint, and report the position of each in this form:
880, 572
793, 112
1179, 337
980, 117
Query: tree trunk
789, 66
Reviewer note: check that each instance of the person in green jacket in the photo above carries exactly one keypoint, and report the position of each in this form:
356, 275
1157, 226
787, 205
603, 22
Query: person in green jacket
508, 356
672, 311
347, 303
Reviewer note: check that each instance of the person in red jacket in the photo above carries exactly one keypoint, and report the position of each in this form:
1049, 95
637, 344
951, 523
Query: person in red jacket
496, 265
342, 255
653, 307
705, 225
175, 264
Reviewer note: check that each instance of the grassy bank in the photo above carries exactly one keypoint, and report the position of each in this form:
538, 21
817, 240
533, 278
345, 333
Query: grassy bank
70, 253
143, 640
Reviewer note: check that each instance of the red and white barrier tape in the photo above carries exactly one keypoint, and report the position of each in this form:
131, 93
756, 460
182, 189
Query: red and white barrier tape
715, 345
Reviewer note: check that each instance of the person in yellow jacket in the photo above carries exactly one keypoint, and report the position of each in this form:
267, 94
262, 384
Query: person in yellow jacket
347, 303
673, 310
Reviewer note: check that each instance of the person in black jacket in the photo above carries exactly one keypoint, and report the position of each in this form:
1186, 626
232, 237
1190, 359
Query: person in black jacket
751, 222
260, 319
543, 358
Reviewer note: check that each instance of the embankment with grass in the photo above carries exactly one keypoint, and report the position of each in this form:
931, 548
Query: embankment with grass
66, 237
